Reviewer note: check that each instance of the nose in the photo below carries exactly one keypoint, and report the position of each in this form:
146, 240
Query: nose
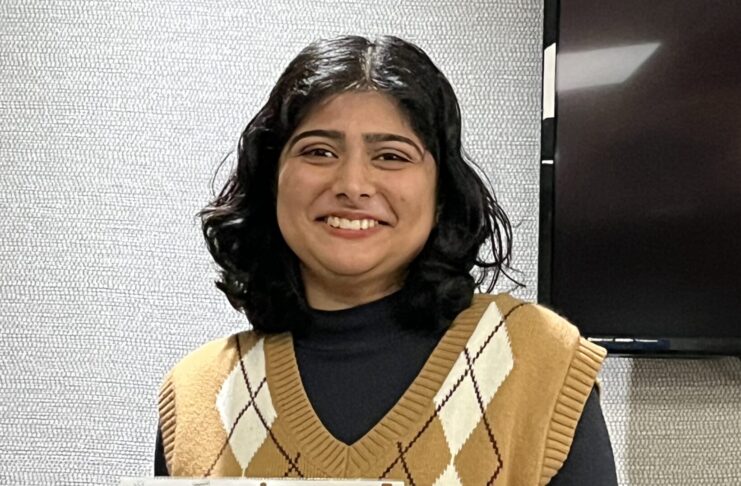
354, 179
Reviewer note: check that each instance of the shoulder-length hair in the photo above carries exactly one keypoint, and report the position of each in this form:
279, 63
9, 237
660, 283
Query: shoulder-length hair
258, 271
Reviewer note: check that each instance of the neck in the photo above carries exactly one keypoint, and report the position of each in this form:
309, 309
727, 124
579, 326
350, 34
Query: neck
345, 292
351, 330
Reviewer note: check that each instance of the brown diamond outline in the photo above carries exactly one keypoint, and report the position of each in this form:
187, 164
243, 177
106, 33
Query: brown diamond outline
425, 426
293, 465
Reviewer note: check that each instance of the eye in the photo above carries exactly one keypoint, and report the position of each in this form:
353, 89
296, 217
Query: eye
393, 157
318, 152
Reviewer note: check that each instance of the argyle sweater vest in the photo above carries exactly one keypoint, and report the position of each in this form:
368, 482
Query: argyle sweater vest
496, 403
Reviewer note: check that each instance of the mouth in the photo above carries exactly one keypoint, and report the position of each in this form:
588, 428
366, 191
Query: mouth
351, 224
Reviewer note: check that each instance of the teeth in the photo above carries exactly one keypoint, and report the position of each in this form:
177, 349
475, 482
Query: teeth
352, 224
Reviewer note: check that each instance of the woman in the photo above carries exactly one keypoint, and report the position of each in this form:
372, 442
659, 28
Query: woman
346, 235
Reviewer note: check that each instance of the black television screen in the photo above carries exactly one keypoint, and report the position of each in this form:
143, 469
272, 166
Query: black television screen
641, 177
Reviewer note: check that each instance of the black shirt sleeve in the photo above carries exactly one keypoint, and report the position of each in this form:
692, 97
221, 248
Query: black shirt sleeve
160, 463
590, 459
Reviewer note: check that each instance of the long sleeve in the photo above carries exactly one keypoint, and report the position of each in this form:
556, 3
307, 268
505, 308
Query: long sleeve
160, 463
590, 460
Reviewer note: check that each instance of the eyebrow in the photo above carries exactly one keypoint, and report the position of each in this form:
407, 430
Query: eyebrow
368, 137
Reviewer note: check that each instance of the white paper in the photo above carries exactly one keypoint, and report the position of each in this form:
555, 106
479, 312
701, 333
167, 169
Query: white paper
256, 482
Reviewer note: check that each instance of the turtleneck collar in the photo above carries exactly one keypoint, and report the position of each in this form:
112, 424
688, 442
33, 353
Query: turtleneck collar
361, 327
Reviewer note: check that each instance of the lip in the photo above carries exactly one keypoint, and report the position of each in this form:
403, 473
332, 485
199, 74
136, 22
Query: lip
351, 234
351, 215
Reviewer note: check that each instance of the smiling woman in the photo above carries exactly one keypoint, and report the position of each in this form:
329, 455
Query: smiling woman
347, 235
352, 111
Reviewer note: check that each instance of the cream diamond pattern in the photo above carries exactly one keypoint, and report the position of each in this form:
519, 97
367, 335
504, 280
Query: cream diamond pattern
236, 398
449, 477
491, 358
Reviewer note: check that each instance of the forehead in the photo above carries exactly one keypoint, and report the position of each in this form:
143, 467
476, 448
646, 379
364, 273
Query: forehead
367, 111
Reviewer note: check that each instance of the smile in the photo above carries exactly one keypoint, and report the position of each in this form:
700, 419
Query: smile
351, 224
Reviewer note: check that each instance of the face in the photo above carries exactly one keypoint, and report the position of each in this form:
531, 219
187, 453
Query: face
356, 193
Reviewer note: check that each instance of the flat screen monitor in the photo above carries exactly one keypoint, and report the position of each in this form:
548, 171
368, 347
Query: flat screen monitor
641, 173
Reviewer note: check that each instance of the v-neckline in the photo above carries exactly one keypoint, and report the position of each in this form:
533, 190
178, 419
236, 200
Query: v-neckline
322, 448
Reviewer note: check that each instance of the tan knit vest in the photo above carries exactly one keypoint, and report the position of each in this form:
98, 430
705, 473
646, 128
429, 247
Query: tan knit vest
497, 402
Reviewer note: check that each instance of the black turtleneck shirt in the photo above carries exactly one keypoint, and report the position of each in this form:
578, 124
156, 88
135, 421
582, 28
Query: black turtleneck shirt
356, 363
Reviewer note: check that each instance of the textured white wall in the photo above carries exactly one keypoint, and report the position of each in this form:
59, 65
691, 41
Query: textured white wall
114, 117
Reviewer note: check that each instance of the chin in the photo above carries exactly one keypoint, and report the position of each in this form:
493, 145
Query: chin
349, 269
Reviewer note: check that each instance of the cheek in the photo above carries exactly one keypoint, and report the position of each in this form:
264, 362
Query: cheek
298, 189
419, 197
288, 201
290, 185
417, 210
288, 216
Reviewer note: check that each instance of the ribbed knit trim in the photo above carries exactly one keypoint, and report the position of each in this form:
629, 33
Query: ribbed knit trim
579, 381
167, 418
334, 456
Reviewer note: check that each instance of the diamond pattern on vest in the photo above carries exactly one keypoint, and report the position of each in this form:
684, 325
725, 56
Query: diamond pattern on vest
245, 406
449, 477
457, 424
477, 374
424, 469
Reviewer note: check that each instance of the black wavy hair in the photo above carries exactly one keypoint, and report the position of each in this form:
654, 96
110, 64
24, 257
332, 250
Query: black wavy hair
258, 271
